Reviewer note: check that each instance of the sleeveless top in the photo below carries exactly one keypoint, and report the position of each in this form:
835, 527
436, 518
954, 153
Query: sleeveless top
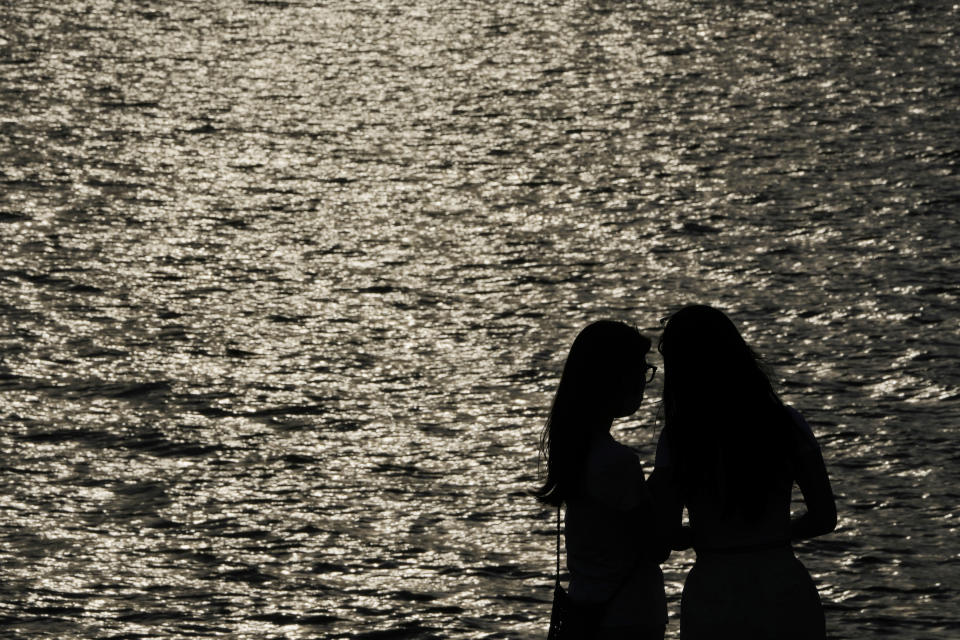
713, 529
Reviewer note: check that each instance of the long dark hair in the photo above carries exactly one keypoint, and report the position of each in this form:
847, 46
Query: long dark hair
726, 427
588, 397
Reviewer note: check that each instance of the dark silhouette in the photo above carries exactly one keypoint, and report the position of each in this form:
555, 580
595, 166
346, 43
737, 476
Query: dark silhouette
730, 452
613, 547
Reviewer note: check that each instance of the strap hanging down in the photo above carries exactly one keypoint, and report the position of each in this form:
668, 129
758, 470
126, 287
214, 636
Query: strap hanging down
558, 545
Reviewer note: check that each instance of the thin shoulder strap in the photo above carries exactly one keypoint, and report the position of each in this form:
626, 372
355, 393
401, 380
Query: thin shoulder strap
558, 545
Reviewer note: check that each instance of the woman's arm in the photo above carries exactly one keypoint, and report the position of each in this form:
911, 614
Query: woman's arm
814, 483
666, 497
643, 521
668, 509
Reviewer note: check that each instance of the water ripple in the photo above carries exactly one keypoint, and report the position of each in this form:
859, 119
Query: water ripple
287, 286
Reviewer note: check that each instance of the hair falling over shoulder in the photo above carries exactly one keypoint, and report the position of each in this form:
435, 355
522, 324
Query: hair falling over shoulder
725, 424
586, 401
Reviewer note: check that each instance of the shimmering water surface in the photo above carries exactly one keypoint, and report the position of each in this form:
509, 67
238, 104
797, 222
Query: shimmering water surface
286, 286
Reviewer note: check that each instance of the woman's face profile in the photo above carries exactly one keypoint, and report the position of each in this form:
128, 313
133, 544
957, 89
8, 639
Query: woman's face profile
634, 384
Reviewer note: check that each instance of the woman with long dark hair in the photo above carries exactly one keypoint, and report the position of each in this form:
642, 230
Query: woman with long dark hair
730, 452
612, 546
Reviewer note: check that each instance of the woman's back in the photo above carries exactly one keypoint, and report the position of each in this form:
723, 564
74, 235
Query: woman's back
717, 526
747, 582
714, 528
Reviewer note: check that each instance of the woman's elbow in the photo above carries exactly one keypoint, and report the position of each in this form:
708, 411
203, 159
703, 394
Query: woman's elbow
826, 520
831, 521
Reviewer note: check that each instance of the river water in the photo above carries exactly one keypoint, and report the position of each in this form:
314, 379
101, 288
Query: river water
286, 287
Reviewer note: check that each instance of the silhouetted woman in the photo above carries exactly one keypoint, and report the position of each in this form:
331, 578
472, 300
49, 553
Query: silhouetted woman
730, 452
612, 549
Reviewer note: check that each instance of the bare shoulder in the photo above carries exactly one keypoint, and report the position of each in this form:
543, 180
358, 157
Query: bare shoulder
802, 432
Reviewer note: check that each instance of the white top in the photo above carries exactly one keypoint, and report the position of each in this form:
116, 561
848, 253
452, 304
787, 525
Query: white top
603, 538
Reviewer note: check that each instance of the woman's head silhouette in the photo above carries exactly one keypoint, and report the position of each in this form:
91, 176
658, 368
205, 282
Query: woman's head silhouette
724, 421
603, 379
703, 352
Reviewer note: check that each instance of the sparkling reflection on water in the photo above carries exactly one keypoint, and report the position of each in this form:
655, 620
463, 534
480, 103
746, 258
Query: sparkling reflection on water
287, 285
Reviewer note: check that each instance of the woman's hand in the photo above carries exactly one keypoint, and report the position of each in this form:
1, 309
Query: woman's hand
821, 515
